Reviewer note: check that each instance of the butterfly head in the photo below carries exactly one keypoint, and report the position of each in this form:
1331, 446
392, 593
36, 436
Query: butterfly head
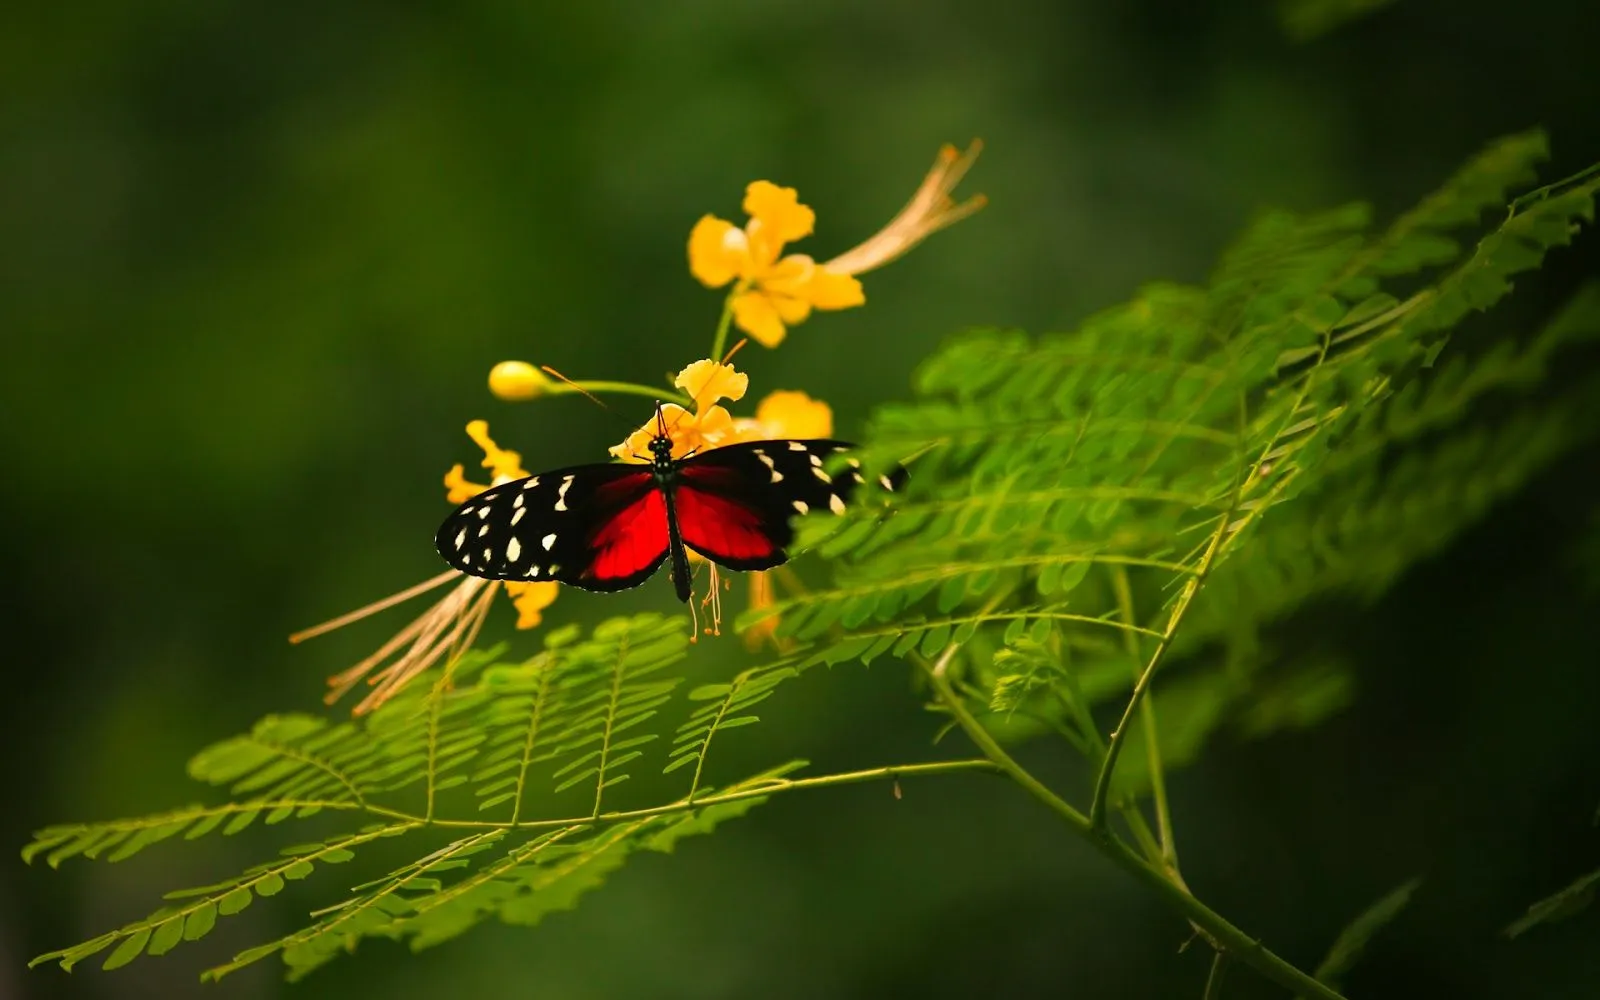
661, 461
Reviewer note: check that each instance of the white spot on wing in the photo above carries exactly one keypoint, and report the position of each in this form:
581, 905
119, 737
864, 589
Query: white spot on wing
816, 460
487, 555
796, 446
821, 475
548, 541
483, 513
532, 482
800, 507
483, 531
835, 503
561, 494
533, 570
513, 550
888, 484
769, 463
461, 539
517, 501
517, 516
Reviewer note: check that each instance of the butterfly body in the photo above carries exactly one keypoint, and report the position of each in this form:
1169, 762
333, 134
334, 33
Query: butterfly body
609, 527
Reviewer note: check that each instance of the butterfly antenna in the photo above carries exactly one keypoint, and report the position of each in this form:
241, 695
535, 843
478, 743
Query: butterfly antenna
596, 400
735, 349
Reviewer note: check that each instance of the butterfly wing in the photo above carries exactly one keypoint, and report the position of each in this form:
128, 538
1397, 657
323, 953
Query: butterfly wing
598, 527
734, 503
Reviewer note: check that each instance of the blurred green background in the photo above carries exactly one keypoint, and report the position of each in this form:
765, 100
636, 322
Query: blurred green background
258, 260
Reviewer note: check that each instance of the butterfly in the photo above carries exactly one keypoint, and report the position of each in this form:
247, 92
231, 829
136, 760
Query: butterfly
609, 526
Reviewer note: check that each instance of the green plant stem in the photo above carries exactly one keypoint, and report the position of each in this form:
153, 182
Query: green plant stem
772, 787
720, 341
1222, 934
1152, 737
600, 387
1191, 587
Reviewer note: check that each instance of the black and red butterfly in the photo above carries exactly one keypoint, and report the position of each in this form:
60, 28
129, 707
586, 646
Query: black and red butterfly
610, 526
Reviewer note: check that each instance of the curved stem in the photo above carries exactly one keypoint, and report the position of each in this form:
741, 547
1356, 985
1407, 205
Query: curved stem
599, 386
1222, 934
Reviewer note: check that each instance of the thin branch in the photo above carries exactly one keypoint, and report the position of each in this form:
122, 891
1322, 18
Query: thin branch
771, 787
611, 719
532, 739
1152, 736
1191, 587
1221, 933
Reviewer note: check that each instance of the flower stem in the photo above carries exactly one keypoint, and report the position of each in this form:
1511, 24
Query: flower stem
598, 386
1223, 935
720, 342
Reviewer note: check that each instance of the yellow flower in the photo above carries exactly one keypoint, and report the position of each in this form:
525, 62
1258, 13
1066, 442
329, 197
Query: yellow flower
929, 210
708, 426
765, 631
503, 464
773, 292
785, 413
530, 599
451, 624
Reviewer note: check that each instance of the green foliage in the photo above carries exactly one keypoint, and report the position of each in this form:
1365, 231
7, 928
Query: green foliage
1304, 20
1175, 475
1569, 902
1352, 941
1287, 432
482, 737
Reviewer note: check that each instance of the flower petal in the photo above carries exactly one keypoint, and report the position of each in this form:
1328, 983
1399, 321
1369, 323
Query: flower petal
506, 465
798, 276
831, 290
766, 630
706, 382
711, 430
787, 413
531, 599
636, 447
458, 488
717, 251
755, 314
779, 211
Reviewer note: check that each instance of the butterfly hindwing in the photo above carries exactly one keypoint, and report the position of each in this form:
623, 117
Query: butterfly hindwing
734, 503
599, 527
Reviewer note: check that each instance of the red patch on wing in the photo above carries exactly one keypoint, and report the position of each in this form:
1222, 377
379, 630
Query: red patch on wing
723, 529
630, 541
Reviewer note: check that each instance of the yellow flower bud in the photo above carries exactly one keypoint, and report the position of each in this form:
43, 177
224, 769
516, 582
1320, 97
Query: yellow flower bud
517, 380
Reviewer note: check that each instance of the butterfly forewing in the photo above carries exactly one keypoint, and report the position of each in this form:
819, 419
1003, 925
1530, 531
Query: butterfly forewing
599, 527
734, 503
